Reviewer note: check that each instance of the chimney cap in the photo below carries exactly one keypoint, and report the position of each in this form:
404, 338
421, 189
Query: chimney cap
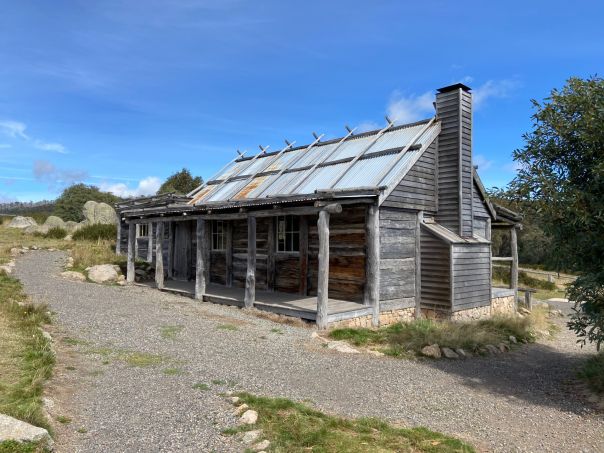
454, 87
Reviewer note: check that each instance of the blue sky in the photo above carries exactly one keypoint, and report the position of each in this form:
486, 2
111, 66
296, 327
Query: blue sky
121, 94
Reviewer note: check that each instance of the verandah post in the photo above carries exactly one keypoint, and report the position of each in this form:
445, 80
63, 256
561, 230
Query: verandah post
150, 243
250, 277
159, 255
200, 267
323, 277
372, 269
514, 271
131, 249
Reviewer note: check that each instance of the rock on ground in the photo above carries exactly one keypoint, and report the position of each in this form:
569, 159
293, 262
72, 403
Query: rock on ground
22, 222
16, 430
54, 222
99, 213
249, 417
251, 436
102, 273
342, 346
73, 275
449, 353
261, 445
432, 351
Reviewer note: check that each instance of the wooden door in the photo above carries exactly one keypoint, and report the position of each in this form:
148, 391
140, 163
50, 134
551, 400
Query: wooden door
183, 255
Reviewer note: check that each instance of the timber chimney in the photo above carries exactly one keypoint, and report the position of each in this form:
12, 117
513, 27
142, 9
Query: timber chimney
454, 109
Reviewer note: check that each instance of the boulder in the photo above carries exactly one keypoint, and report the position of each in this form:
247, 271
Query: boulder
462, 353
491, 349
22, 222
99, 213
432, 351
54, 222
261, 446
72, 226
72, 275
42, 229
102, 273
249, 417
503, 347
449, 353
18, 431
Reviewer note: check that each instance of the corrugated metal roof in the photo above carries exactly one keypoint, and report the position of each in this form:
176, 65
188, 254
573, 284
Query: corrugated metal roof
376, 167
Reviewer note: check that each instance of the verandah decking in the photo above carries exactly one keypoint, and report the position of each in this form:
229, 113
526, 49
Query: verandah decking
303, 307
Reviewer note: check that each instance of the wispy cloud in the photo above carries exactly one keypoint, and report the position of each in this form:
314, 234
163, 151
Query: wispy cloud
16, 130
406, 109
367, 126
56, 178
512, 167
482, 162
146, 186
493, 89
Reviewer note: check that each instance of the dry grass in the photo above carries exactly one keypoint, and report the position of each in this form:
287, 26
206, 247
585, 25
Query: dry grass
407, 339
281, 319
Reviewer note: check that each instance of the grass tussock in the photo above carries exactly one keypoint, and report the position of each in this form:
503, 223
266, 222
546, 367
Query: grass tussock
26, 358
11, 446
593, 373
87, 254
96, 232
404, 339
295, 427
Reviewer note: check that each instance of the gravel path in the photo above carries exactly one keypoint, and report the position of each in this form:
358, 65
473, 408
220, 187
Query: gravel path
522, 401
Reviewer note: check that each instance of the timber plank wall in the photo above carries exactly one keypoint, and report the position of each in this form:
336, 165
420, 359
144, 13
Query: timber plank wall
436, 273
471, 275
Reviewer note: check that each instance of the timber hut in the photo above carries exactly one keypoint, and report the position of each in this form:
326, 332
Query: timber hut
366, 229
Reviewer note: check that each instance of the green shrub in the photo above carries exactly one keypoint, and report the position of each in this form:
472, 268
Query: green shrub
56, 233
96, 232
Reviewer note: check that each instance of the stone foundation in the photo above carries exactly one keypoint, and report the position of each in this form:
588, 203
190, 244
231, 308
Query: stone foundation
503, 305
386, 318
472, 314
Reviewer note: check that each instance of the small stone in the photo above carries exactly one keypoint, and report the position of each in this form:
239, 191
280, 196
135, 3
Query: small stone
6, 269
432, 351
235, 399
315, 335
102, 273
503, 347
375, 353
121, 282
228, 393
462, 353
35, 247
241, 409
72, 275
491, 349
16, 251
524, 311
249, 437
46, 335
260, 446
249, 417
513, 339
449, 353
68, 238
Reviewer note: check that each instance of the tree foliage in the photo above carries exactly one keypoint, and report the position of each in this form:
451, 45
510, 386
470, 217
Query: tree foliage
181, 182
69, 205
562, 173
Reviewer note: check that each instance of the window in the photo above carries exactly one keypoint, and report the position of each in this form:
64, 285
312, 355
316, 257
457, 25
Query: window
288, 233
143, 230
218, 235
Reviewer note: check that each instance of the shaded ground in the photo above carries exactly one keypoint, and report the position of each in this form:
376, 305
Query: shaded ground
526, 400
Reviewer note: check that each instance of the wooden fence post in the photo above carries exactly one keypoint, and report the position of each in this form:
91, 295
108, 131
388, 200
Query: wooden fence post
250, 278
200, 266
130, 270
372, 267
159, 255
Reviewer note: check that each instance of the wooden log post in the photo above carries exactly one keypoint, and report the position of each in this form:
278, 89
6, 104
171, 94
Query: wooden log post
418, 265
130, 270
170, 249
137, 234
303, 288
250, 277
270, 258
514, 271
201, 263
372, 266
323, 277
159, 255
118, 244
229, 254
150, 243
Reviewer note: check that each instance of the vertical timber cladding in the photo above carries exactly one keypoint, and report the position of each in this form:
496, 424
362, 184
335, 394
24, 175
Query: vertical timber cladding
471, 276
417, 190
481, 215
346, 254
397, 258
454, 108
436, 273
239, 228
183, 267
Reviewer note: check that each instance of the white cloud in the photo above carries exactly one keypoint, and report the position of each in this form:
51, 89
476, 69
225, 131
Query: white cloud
493, 89
406, 109
482, 162
512, 167
146, 186
16, 129
56, 178
367, 126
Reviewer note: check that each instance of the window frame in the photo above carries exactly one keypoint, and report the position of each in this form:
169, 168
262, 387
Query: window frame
140, 228
218, 238
291, 234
